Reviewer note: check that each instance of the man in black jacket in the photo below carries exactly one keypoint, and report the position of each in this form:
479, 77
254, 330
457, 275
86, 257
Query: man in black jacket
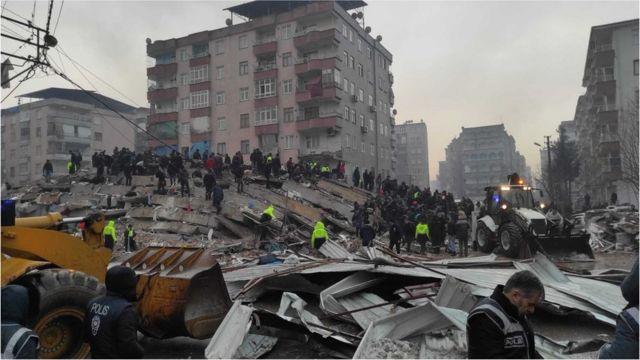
497, 327
111, 323
209, 180
18, 342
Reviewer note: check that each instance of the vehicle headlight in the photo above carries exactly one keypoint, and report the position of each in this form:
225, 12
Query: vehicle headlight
503, 206
542, 206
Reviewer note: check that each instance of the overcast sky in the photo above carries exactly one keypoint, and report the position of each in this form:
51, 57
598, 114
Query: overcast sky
455, 63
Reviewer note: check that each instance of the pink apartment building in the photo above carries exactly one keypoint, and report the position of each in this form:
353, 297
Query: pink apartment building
302, 78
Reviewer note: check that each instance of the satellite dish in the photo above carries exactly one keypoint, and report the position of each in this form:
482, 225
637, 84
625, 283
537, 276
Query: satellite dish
360, 14
229, 22
395, 111
379, 38
367, 29
354, 15
148, 41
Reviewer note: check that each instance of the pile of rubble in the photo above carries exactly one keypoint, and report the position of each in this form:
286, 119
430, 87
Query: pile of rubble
613, 228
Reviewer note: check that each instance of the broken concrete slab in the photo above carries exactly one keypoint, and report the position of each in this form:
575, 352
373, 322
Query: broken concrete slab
347, 193
112, 190
142, 213
169, 227
147, 180
48, 198
231, 333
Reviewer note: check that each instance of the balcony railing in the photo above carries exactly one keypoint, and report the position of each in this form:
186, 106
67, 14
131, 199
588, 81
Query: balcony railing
163, 85
605, 107
265, 40
602, 47
265, 67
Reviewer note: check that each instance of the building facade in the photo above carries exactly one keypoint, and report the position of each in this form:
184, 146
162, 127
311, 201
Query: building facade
304, 79
480, 157
62, 120
606, 115
412, 153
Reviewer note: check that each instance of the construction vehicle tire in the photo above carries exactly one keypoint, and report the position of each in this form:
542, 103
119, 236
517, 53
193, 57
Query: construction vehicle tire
59, 317
484, 238
511, 239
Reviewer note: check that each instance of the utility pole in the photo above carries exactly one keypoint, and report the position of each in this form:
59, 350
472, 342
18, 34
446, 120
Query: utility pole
549, 176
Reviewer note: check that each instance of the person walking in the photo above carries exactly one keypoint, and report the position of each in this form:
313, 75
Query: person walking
218, 196
208, 180
111, 322
498, 327
110, 236
462, 234
18, 341
395, 235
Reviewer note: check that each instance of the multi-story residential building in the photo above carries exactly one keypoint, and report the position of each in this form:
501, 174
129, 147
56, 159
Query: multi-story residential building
62, 120
302, 78
480, 157
412, 153
608, 112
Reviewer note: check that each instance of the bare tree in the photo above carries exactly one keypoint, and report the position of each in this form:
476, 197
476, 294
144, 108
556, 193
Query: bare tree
628, 137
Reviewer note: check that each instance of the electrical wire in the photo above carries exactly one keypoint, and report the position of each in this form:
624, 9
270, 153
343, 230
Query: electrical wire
15, 13
29, 74
58, 19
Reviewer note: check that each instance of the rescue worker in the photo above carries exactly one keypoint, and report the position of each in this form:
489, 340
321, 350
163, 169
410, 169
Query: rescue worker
111, 323
395, 235
267, 169
129, 242
266, 218
497, 327
367, 233
318, 236
218, 196
325, 171
71, 166
625, 339
109, 233
18, 342
462, 233
422, 234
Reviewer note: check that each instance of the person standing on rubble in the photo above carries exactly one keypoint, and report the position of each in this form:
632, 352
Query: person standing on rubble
367, 234
209, 180
395, 235
111, 321
129, 242
162, 181
422, 234
266, 217
184, 183
47, 170
267, 169
318, 236
110, 236
625, 339
462, 234
356, 177
128, 169
71, 166
237, 169
408, 232
497, 327
218, 196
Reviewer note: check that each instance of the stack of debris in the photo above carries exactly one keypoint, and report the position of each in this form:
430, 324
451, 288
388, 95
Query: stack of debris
613, 228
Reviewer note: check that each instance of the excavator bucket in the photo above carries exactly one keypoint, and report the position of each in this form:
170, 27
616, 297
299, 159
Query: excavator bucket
181, 291
574, 247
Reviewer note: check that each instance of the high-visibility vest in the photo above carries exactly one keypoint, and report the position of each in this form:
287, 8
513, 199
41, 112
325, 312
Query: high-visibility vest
110, 229
422, 229
130, 233
70, 165
269, 211
318, 233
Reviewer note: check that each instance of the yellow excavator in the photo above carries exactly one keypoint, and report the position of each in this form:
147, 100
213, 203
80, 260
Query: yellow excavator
181, 291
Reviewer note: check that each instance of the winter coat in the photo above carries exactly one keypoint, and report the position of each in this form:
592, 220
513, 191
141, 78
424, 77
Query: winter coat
18, 342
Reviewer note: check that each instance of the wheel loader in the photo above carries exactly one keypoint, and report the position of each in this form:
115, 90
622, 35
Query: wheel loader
514, 225
181, 291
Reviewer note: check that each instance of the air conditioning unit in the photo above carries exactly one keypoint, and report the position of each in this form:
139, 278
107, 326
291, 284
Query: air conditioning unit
372, 108
364, 129
354, 98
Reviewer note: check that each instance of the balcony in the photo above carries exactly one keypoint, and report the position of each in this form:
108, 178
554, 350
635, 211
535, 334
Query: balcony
265, 102
322, 121
269, 71
266, 129
264, 47
317, 94
200, 59
200, 136
315, 39
161, 71
598, 48
199, 86
160, 95
162, 117
314, 66
604, 107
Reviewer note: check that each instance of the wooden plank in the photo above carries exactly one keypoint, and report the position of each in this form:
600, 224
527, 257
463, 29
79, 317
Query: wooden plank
348, 194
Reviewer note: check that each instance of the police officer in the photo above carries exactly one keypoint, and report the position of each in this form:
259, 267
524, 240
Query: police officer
497, 327
422, 234
265, 219
109, 233
111, 324
129, 242
18, 342
318, 236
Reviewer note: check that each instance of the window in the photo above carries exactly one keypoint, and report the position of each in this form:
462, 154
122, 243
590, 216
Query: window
370, 100
25, 133
371, 126
345, 57
243, 68
244, 94
360, 95
352, 88
220, 72
344, 30
200, 50
265, 88
287, 87
184, 103
200, 124
381, 129
346, 113
353, 116
184, 79
12, 172
38, 150
244, 146
635, 67
219, 47
363, 147
185, 128
221, 98
313, 142
243, 42
360, 70
267, 116
222, 123
183, 55
38, 131
373, 149
352, 62
311, 112
288, 115
345, 141
222, 148
287, 31
199, 99
359, 44
361, 117
350, 35
288, 142
244, 121
369, 52
199, 74
345, 86
286, 59
97, 136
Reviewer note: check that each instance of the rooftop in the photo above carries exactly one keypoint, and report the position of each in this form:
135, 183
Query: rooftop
258, 8
79, 96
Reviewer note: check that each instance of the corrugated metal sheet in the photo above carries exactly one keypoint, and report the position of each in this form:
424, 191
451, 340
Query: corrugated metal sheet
333, 250
230, 333
486, 260
456, 294
363, 300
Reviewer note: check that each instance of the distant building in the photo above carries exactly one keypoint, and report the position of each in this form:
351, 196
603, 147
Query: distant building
607, 110
63, 120
480, 157
412, 153
301, 78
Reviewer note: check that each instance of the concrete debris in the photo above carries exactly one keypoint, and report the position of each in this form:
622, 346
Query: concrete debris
392, 349
613, 228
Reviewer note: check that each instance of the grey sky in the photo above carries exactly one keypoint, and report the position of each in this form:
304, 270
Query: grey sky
455, 63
